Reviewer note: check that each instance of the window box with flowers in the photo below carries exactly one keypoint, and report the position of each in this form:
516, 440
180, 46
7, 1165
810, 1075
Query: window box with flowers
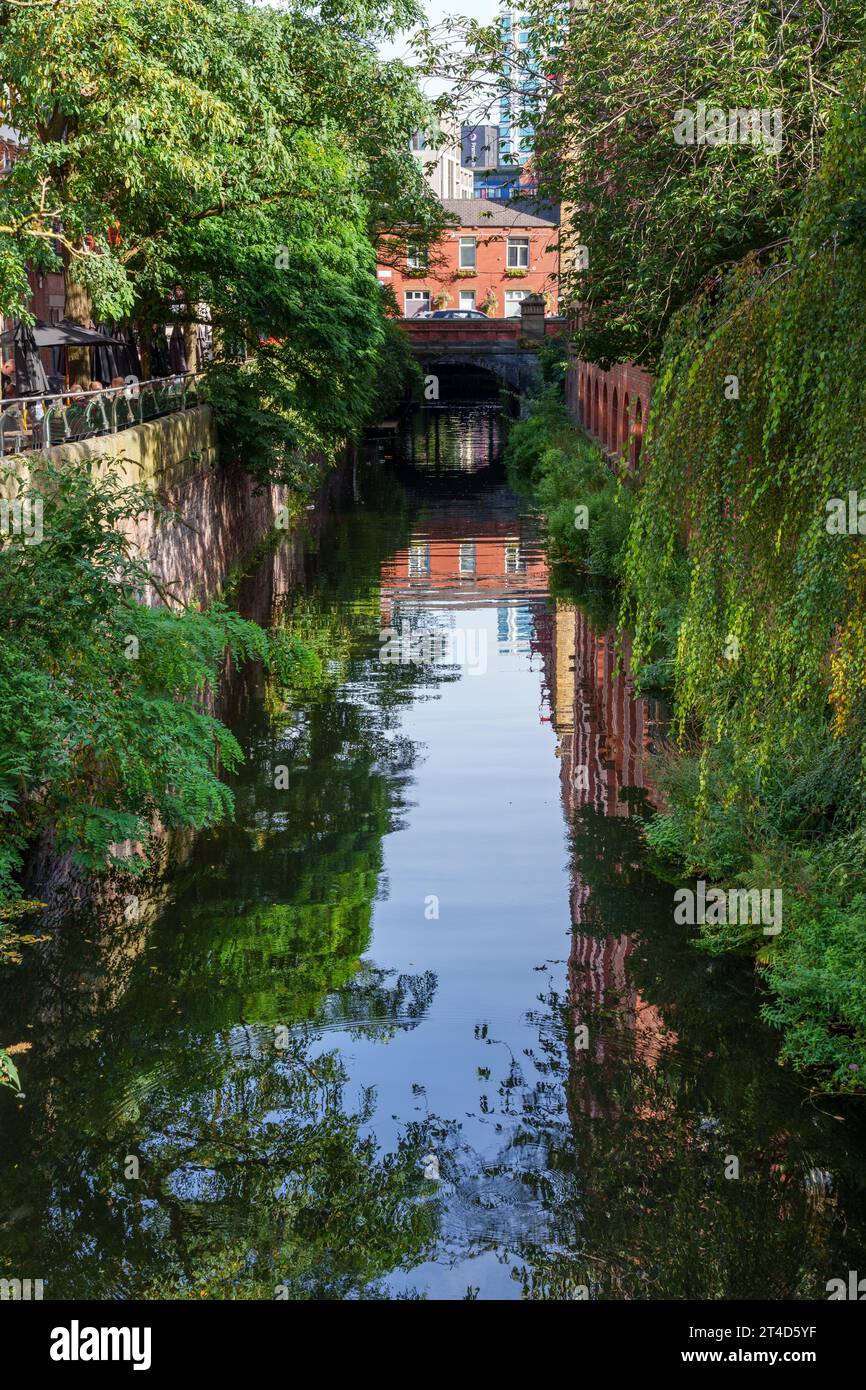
466, 274
516, 274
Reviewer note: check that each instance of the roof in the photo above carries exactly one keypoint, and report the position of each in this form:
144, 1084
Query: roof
490, 212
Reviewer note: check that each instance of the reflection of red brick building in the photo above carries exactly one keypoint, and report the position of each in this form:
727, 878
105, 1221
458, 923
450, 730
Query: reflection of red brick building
604, 732
491, 561
496, 256
604, 735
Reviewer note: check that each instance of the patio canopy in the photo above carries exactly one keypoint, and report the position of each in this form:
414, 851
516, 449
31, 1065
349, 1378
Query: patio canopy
61, 334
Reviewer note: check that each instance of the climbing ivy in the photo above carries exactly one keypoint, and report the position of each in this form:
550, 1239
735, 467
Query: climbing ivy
747, 529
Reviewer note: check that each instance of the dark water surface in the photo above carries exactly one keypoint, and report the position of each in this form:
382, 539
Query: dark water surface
417, 1022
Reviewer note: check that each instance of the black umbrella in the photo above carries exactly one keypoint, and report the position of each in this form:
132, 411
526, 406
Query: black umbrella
30, 377
105, 358
203, 343
159, 360
62, 334
130, 349
177, 350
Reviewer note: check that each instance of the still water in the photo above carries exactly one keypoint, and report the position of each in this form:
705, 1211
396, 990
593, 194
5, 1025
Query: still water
417, 1022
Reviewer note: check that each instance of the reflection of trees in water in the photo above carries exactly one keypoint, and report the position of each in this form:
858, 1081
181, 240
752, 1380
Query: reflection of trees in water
253, 1172
186, 1038
611, 1173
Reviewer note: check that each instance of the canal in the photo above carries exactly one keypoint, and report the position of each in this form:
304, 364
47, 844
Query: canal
418, 1021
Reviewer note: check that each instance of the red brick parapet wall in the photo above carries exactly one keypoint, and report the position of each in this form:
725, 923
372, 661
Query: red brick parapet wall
612, 406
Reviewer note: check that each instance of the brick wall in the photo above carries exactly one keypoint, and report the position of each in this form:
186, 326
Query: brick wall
612, 405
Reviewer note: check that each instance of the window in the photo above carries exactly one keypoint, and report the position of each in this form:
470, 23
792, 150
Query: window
416, 256
419, 559
418, 141
467, 557
512, 302
467, 299
518, 253
467, 253
514, 561
415, 302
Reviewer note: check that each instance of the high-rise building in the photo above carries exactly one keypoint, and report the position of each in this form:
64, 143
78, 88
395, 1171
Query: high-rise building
516, 133
481, 148
439, 154
499, 152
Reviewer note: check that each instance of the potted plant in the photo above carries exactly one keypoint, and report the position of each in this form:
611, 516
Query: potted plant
441, 300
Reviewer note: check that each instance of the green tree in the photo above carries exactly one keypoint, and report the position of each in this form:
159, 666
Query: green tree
105, 702
227, 154
607, 86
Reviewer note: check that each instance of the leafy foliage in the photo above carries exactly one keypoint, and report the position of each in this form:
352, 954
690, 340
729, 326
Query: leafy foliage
105, 700
565, 471
219, 153
603, 85
769, 660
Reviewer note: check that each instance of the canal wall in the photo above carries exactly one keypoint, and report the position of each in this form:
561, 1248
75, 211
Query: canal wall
216, 526
216, 513
612, 405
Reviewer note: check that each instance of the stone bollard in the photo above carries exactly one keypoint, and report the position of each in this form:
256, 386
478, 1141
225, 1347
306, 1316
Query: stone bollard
532, 316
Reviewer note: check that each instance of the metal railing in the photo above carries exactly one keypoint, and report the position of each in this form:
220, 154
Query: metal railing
38, 422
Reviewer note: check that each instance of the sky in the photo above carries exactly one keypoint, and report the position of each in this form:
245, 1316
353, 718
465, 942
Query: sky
437, 10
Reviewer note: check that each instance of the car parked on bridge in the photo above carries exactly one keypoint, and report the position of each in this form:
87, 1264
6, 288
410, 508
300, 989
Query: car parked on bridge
453, 314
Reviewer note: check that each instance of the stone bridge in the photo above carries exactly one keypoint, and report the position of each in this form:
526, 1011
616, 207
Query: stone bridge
504, 347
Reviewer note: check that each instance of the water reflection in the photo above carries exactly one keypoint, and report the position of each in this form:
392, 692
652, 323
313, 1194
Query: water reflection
426, 942
464, 436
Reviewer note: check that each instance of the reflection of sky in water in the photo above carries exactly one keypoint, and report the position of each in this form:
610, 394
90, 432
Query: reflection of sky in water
561, 1165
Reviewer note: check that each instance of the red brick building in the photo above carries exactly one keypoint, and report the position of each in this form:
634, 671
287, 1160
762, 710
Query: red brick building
495, 258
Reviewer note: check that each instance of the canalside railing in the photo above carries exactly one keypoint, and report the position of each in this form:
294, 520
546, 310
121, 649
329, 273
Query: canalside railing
38, 422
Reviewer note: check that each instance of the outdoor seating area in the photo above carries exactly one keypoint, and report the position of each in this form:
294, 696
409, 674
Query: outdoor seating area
47, 399
62, 417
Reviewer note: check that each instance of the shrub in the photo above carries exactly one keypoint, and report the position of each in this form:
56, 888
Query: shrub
550, 458
105, 722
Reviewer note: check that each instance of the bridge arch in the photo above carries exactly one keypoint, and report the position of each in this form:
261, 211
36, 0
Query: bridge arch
517, 371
